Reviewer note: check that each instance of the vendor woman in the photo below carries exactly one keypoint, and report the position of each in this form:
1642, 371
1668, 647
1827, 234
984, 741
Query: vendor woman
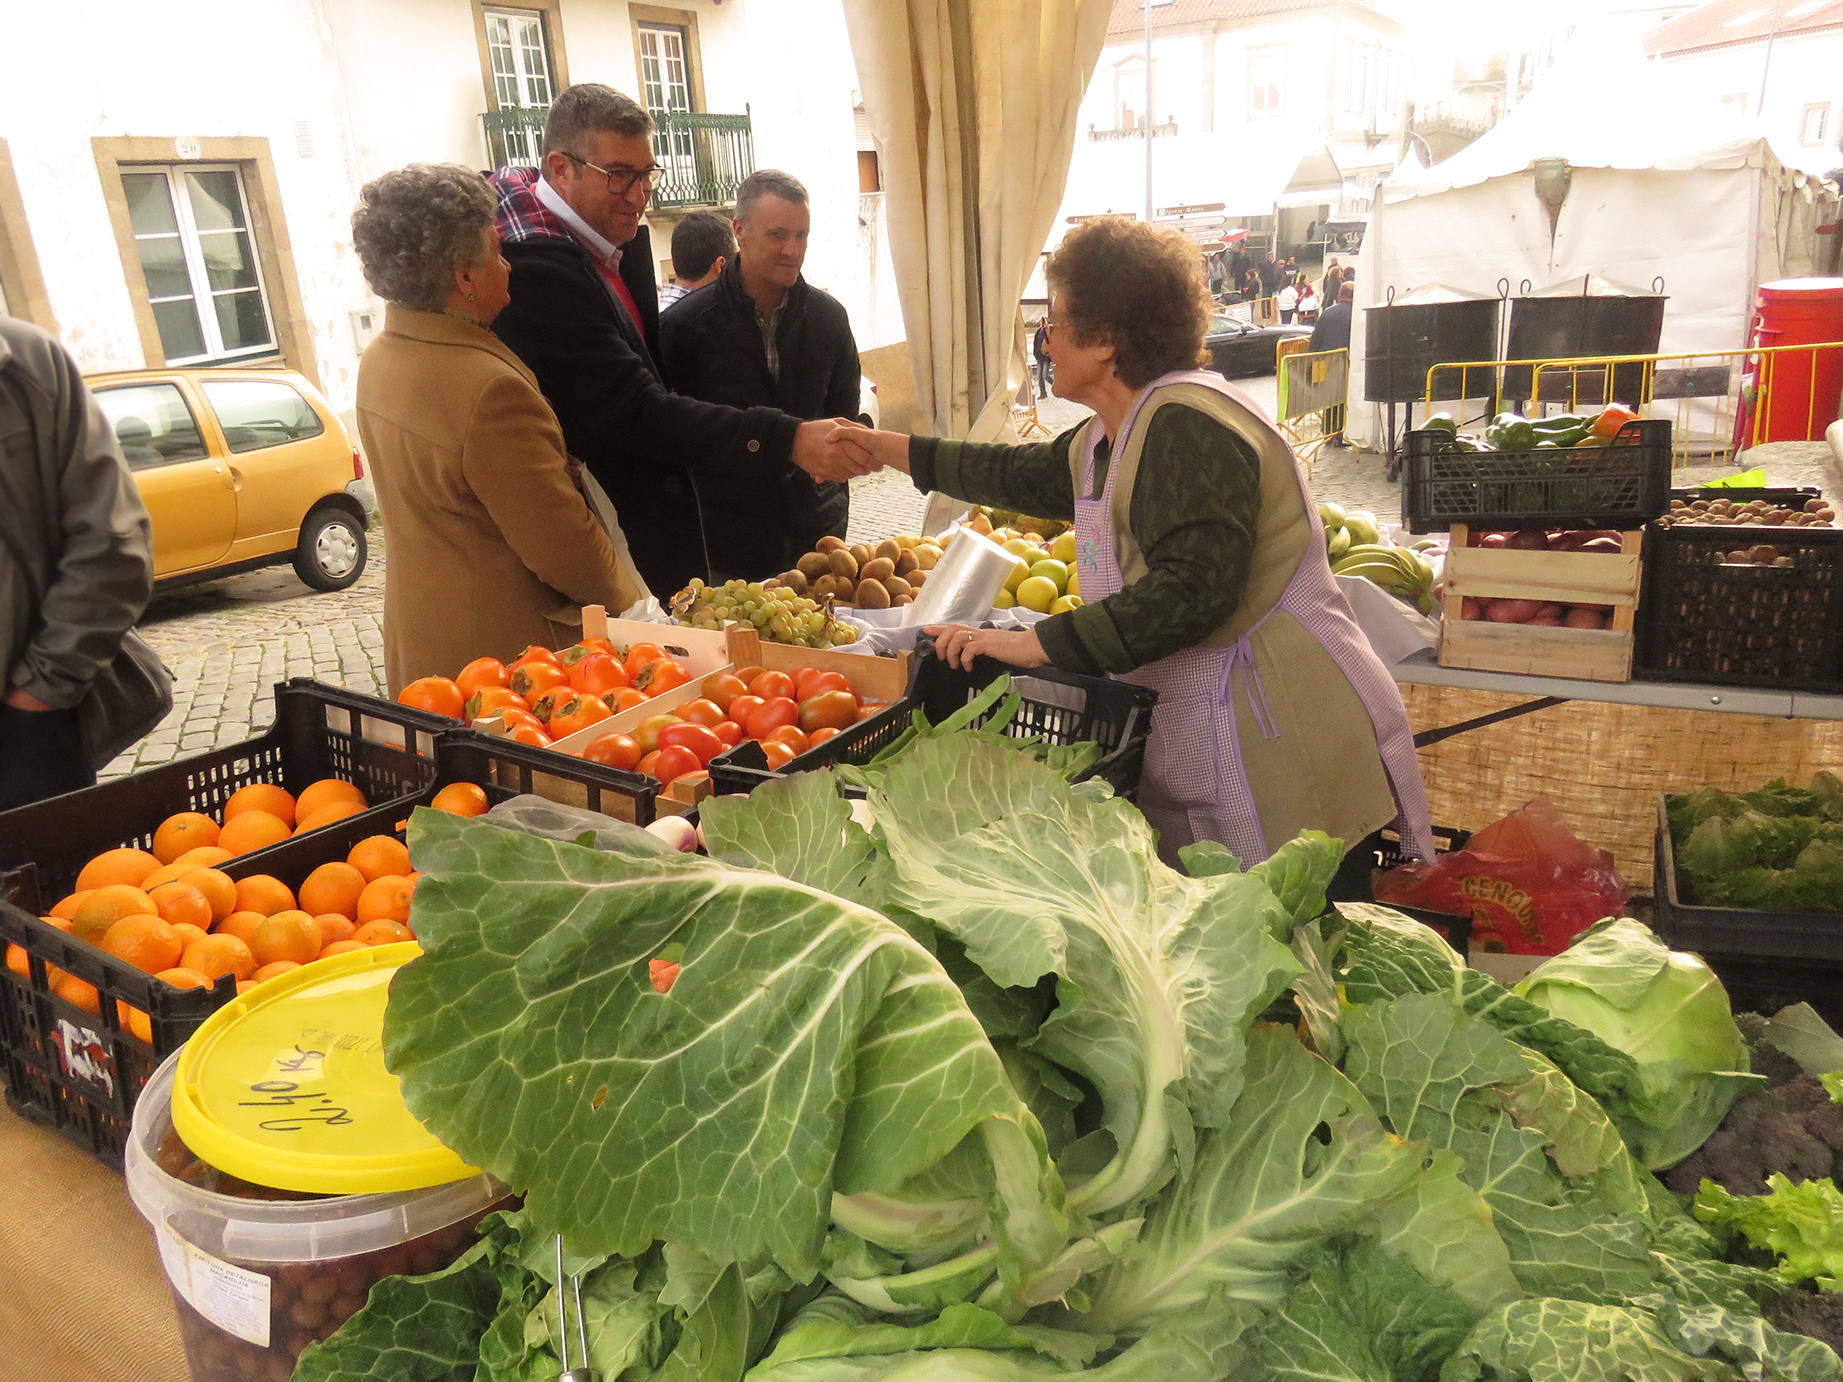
1203, 565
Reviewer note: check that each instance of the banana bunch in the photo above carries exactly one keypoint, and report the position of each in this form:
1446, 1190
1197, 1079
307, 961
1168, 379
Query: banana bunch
1355, 547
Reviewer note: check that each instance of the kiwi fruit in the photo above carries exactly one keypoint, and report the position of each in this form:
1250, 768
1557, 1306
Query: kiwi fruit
862, 551
898, 588
844, 564
828, 543
877, 569
889, 548
926, 556
814, 565
872, 595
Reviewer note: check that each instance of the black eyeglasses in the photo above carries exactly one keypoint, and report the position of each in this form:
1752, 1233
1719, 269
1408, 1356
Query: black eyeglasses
621, 181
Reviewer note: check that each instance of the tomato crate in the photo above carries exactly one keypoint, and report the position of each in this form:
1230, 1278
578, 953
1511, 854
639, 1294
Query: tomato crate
1708, 616
1062, 707
384, 749
1624, 484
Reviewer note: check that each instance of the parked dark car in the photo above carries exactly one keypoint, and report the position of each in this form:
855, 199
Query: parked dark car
1240, 351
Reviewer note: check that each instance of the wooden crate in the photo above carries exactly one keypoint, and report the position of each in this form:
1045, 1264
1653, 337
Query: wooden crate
873, 678
1571, 578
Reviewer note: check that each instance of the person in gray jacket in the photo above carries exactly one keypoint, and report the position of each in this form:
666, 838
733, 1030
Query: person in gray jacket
76, 561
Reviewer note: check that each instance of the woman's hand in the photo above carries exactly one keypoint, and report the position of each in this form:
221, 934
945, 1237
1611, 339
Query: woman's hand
890, 448
957, 645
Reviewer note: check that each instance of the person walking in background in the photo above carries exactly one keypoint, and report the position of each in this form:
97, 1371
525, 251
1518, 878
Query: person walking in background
1307, 306
1269, 270
1287, 300
1039, 349
584, 319
1327, 288
76, 567
1251, 284
761, 336
701, 245
489, 538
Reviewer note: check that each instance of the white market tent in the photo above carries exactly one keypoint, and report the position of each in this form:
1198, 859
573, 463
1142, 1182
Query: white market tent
1653, 193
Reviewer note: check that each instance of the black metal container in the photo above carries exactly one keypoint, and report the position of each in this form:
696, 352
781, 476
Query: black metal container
1433, 325
1584, 316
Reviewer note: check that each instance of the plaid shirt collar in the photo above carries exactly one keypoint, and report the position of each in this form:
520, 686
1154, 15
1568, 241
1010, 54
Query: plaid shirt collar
522, 216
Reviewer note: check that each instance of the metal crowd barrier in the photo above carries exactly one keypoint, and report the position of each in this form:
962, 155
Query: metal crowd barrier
1310, 388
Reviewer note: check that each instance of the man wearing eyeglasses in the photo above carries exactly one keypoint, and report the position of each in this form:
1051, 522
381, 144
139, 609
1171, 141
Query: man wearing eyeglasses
584, 317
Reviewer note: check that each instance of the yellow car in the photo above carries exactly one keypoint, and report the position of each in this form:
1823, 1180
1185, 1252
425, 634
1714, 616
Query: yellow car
239, 469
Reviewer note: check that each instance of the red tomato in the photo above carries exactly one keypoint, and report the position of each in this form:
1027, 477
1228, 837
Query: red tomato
810, 681
770, 685
481, 673
532, 679
779, 755
640, 654
578, 713
702, 742
789, 735
492, 700
745, 675
660, 675
744, 706
525, 734
819, 736
597, 673
648, 763
512, 717
728, 731
674, 761
615, 750
770, 716
533, 653
648, 731
829, 710
720, 688
624, 699
700, 711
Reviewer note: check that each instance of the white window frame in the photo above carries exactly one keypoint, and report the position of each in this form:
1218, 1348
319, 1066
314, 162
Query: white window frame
509, 32
1805, 136
203, 296
656, 63
1259, 106
1129, 72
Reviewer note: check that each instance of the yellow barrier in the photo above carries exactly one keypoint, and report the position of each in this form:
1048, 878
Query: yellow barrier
1309, 391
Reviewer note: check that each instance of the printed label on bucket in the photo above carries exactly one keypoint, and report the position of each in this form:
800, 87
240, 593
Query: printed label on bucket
232, 1298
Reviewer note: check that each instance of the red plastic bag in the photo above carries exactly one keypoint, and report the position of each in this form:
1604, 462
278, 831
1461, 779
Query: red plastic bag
1528, 884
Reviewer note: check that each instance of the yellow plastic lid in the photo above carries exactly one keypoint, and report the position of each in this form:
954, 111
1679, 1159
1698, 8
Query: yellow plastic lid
286, 1087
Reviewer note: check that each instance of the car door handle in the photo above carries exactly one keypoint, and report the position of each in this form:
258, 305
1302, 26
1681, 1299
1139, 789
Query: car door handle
233, 478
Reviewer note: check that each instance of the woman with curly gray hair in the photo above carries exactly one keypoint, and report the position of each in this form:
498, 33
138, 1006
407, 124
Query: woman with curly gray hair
492, 547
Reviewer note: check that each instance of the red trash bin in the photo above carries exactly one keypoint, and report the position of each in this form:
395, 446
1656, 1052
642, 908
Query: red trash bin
1801, 389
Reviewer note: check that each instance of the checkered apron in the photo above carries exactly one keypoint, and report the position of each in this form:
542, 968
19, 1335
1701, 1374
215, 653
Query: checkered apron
1196, 783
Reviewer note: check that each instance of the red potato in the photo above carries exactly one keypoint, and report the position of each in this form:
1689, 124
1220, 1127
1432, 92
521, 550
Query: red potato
1528, 540
1543, 619
1471, 608
1581, 617
1567, 541
1494, 540
1550, 607
1512, 611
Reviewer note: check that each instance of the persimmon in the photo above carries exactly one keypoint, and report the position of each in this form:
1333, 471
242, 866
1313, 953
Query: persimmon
624, 699
481, 673
534, 653
661, 675
578, 714
597, 673
594, 643
639, 654
526, 734
532, 679
438, 695
548, 702
489, 701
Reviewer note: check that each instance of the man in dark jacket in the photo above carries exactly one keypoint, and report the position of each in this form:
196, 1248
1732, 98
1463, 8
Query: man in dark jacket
762, 336
1333, 333
584, 318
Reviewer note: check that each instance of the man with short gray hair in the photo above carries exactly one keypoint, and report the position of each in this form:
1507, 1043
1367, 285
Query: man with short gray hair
584, 317
762, 336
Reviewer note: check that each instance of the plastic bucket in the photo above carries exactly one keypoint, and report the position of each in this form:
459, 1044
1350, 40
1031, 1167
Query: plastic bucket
1802, 388
258, 1275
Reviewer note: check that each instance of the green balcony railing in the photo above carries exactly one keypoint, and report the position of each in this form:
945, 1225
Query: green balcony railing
702, 158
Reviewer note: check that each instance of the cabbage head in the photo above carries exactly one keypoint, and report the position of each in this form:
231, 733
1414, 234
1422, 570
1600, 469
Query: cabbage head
1666, 1010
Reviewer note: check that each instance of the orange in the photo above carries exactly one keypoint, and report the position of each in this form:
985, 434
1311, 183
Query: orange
333, 927
332, 888
326, 815
136, 1022
184, 978
187, 933
106, 906
207, 858
262, 892
324, 793
67, 908
219, 888
385, 899
242, 925
219, 954
130, 866
147, 943
379, 856
244, 986
260, 796
286, 936
182, 833
166, 873
382, 932
177, 902
461, 799
269, 971
343, 948
248, 830
79, 994
18, 961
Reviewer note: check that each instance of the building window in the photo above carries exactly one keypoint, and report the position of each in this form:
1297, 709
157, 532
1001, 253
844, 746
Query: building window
870, 174
1813, 124
191, 227
665, 72
523, 74
1267, 80
1129, 93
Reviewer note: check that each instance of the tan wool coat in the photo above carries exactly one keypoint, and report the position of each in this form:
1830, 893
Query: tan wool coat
491, 547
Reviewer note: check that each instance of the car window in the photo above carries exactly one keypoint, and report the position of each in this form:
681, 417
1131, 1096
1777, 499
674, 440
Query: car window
255, 413
1221, 321
153, 424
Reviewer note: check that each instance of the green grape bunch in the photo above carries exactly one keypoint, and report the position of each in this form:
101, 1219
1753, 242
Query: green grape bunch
778, 614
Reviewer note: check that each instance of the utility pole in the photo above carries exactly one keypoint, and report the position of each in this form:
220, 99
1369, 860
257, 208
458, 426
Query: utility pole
1766, 66
1151, 106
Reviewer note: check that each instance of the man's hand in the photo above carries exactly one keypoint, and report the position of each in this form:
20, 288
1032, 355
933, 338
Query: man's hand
830, 449
21, 699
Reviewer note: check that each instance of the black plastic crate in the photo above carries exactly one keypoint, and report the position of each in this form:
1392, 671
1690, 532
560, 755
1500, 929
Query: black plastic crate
1622, 485
1703, 617
385, 749
1387, 854
1063, 707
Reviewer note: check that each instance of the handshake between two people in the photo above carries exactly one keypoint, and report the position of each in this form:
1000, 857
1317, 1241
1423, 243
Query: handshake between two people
839, 449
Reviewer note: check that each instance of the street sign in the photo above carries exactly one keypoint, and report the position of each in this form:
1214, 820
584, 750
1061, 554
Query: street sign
1168, 211
1209, 227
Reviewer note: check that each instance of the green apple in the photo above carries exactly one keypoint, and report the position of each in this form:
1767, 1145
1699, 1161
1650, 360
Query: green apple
1018, 546
1063, 548
1066, 603
1019, 574
1005, 600
1038, 593
1051, 569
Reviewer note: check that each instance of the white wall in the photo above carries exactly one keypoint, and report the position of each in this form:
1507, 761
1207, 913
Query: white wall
1803, 72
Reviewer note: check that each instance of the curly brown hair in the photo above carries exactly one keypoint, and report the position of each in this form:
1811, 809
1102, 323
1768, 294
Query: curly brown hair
415, 226
1137, 288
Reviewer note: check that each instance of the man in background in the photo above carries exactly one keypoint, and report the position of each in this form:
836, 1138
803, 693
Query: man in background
701, 246
761, 336
76, 562
584, 317
1269, 270
1333, 333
